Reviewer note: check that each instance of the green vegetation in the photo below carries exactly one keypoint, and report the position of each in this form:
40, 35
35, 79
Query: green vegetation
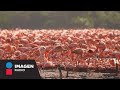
60, 19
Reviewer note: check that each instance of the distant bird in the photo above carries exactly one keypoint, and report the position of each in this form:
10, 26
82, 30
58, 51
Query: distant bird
78, 51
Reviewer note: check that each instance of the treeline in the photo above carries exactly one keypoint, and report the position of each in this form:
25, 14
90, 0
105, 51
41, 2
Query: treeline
60, 19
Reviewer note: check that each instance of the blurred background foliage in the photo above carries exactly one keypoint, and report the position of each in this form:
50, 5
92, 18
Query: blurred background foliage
59, 19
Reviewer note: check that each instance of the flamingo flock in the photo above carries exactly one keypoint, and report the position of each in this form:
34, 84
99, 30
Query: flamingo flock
97, 49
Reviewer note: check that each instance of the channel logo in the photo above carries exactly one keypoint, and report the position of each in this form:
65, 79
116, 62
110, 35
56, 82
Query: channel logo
9, 68
19, 69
